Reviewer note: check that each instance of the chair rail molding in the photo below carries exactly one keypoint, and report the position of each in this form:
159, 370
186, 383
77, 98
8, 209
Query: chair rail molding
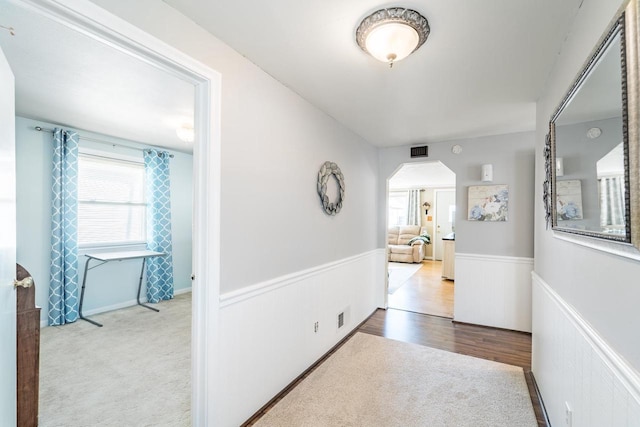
493, 290
237, 296
274, 330
573, 363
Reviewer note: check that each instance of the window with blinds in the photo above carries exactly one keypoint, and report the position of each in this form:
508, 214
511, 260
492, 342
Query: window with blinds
111, 201
398, 202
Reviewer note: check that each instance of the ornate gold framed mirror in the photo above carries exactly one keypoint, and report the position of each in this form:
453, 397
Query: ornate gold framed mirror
592, 153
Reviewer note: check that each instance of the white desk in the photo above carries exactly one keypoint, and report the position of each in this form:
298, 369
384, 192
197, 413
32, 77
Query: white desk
104, 258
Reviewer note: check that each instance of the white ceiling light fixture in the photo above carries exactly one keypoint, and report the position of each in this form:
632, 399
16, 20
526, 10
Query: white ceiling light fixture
392, 34
185, 133
594, 133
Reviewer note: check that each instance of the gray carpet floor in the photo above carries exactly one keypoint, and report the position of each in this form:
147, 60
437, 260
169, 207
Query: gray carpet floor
372, 381
134, 371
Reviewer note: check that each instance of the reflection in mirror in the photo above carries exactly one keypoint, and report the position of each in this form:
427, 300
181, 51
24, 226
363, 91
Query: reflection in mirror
588, 134
611, 190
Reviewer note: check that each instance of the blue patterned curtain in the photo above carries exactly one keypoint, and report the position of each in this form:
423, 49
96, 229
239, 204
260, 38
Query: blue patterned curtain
612, 211
63, 279
159, 269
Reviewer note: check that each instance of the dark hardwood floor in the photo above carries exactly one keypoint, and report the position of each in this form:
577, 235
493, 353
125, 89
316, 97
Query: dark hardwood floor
513, 348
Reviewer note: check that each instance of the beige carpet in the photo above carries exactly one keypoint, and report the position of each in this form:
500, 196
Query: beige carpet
134, 371
373, 381
399, 272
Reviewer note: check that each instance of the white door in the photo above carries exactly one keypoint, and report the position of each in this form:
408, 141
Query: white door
7, 245
445, 215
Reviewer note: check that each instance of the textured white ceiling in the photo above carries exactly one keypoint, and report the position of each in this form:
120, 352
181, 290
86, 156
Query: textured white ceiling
67, 78
479, 73
422, 175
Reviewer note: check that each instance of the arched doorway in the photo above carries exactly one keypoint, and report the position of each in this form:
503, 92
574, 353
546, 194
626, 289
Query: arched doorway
421, 223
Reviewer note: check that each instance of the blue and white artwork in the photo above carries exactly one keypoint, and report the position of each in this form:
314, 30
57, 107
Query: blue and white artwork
488, 202
569, 200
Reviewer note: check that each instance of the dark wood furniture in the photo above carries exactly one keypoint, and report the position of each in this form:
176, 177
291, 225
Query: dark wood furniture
28, 351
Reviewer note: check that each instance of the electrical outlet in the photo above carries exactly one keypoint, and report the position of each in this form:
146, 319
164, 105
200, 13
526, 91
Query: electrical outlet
316, 326
568, 415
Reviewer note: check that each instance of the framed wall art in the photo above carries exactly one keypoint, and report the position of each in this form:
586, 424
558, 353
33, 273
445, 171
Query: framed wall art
488, 202
569, 200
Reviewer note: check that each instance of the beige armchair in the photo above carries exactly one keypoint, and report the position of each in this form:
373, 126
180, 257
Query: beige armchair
399, 248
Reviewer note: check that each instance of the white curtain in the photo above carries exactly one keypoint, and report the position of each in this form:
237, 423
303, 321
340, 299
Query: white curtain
413, 207
612, 201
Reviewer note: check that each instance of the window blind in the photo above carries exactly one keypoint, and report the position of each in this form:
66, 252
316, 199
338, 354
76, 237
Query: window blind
111, 201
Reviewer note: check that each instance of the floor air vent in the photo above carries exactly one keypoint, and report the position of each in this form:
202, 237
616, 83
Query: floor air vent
420, 151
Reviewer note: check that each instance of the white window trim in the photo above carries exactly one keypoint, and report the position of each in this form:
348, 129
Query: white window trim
113, 155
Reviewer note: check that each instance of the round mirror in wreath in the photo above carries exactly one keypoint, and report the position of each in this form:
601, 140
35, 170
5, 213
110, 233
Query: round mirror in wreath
330, 170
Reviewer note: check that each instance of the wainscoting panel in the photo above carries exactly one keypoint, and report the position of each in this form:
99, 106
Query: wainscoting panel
493, 291
573, 364
273, 331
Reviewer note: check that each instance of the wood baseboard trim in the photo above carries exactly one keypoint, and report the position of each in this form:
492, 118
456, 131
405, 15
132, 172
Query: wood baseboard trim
278, 397
420, 313
536, 400
488, 327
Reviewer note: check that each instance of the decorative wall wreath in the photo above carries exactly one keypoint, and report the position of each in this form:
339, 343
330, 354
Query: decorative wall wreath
328, 169
546, 185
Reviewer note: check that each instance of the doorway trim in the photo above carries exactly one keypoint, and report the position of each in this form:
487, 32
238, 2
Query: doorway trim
104, 27
386, 215
435, 213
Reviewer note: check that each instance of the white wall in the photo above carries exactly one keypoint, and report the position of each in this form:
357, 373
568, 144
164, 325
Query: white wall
493, 291
512, 156
267, 330
110, 286
8, 318
273, 227
574, 364
601, 289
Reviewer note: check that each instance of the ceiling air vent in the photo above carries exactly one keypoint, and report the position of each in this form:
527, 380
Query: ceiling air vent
420, 151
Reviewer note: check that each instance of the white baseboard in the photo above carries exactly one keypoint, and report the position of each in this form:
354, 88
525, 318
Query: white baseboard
267, 334
118, 306
573, 363
493, 291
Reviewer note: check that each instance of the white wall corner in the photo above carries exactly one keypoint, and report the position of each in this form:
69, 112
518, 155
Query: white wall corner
493, 291
382, 277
